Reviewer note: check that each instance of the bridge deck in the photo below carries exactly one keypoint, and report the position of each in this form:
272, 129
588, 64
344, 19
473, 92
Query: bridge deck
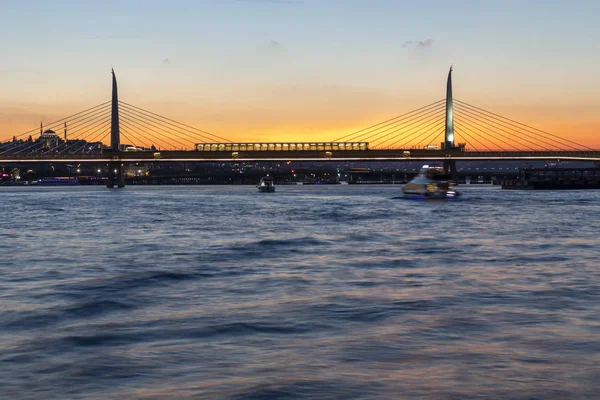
350, 155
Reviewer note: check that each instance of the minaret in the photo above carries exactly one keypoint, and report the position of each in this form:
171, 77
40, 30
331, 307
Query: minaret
65, 131
449, 137
41, 128
114, 121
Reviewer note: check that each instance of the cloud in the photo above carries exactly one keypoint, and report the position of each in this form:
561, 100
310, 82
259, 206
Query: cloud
166, 61
418, 44
270, 47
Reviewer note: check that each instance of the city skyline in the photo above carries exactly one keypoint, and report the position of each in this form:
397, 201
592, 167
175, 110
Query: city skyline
282, 70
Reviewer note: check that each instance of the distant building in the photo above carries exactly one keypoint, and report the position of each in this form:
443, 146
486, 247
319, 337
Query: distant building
49, 138
135, 170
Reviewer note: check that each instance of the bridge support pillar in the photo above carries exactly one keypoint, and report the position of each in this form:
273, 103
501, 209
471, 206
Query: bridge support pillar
115, 175
115, 170
450, 169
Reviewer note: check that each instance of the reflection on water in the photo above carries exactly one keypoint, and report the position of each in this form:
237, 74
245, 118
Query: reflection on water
312, 293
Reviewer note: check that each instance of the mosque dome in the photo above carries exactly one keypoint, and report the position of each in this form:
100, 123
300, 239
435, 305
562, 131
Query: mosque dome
49, 132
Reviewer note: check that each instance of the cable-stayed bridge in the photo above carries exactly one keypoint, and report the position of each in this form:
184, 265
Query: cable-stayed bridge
447, 130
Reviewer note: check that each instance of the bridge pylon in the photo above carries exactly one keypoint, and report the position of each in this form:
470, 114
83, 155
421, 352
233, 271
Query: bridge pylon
115, 170
448, 145
449, 131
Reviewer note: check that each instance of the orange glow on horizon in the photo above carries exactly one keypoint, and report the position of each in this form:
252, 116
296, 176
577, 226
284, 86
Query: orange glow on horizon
294, 125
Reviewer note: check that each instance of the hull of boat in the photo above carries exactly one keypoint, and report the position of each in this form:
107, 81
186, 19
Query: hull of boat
430, 183
450, 195
427, 189
266, 189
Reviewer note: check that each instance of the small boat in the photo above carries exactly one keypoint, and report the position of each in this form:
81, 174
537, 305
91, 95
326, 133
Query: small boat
431, 183
266, 184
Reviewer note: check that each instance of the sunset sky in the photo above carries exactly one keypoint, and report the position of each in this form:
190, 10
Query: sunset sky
277, 70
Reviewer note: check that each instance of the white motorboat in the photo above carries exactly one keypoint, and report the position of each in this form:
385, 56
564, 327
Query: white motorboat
266, 184
431, 183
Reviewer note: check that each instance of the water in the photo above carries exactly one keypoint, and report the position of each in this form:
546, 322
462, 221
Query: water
315, 292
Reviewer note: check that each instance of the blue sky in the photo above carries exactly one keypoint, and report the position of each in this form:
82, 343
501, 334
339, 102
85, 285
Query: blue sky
300, 66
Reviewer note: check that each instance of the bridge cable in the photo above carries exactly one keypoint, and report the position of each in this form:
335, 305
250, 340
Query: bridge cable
489, 137
406, 139
62, 119
92, 128
138, 139
95, 139
176, 122
122, 133
77, 122
427, 121
28, 145
101, 140
399, 124
433, 136
154, 122
462, 134
88, 118
526, 126
424, 116
93, 135
398, 121
93, 115
464, 139
343, 138
468, 128
33, 145
493, 125
125, 131
135, 121
136, 129
430, 128
403, 131
149, 125
476, 122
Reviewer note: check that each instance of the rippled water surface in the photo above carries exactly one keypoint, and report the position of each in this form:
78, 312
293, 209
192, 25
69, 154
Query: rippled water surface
312, 292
